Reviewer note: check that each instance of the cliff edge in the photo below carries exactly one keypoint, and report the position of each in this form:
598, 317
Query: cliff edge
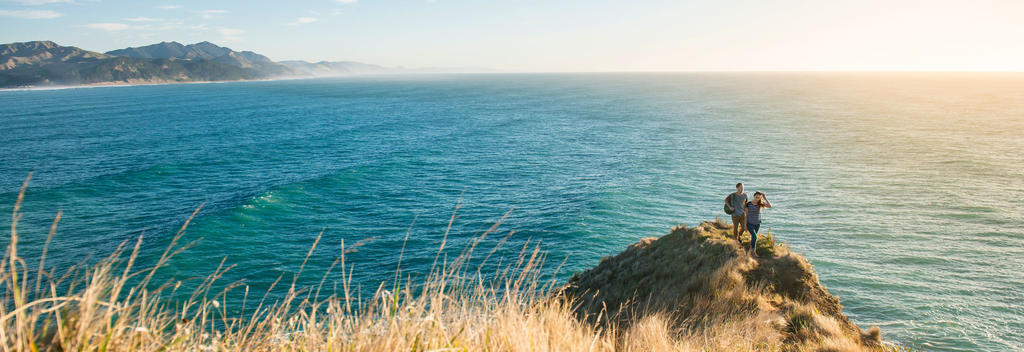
701, 279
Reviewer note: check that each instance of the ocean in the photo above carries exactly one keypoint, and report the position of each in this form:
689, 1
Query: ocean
902, 189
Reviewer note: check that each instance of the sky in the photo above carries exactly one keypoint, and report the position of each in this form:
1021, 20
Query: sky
557, 35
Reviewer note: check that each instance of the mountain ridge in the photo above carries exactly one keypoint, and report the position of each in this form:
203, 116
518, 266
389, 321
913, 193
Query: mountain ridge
202, 51
42, 52
46, 63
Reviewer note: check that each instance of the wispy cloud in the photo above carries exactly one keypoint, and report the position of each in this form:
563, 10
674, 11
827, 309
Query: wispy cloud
168, 7
230, 31
140, 19
230, 35
162, 25
208, 14
43, 2
346, 1
30, 14
303, 20
108, 26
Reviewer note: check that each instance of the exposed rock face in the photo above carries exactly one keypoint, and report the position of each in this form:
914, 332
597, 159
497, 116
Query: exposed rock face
40, 53
204, 51
702, 279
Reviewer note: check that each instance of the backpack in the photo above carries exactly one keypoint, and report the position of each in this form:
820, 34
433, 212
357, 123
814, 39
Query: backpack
728, 200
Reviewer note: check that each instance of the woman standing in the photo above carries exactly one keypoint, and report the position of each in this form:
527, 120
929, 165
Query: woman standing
753, 215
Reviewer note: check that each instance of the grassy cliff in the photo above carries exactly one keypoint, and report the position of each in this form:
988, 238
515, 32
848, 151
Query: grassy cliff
692, 289
701, 282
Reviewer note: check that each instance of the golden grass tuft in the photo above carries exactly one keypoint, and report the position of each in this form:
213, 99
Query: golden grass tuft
114, 306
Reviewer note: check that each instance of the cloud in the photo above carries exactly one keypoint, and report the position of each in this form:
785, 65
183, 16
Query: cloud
230, 35
30, 14
43, 2
228, 32
303, 20
208, 14
346, 1
140, 19
168, 7
160, 25
109, 26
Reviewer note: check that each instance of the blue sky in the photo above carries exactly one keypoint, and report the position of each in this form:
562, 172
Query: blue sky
557, 35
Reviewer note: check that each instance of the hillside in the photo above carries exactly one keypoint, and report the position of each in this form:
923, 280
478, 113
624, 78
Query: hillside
205, 51
168, 50
46, 63
43, 53
701, 280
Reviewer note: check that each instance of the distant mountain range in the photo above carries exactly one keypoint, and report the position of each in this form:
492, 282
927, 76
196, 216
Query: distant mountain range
44, 63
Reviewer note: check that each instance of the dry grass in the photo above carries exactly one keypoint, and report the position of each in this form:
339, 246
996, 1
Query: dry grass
705, 287
114, 306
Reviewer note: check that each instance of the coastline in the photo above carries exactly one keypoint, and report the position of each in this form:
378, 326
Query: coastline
160, 83
922, 74
131, 84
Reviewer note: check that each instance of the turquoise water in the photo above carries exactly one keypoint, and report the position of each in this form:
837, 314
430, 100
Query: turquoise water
902, 189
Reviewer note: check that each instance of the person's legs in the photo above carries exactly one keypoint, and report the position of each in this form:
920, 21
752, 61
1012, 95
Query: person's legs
737, 226
743, 227
753, 228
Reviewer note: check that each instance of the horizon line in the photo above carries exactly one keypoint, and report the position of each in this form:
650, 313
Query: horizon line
500, 70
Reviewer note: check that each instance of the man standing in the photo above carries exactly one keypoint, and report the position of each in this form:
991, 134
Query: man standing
737, 203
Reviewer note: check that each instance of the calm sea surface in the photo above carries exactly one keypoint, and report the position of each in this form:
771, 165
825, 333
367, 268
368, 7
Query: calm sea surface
904, 190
